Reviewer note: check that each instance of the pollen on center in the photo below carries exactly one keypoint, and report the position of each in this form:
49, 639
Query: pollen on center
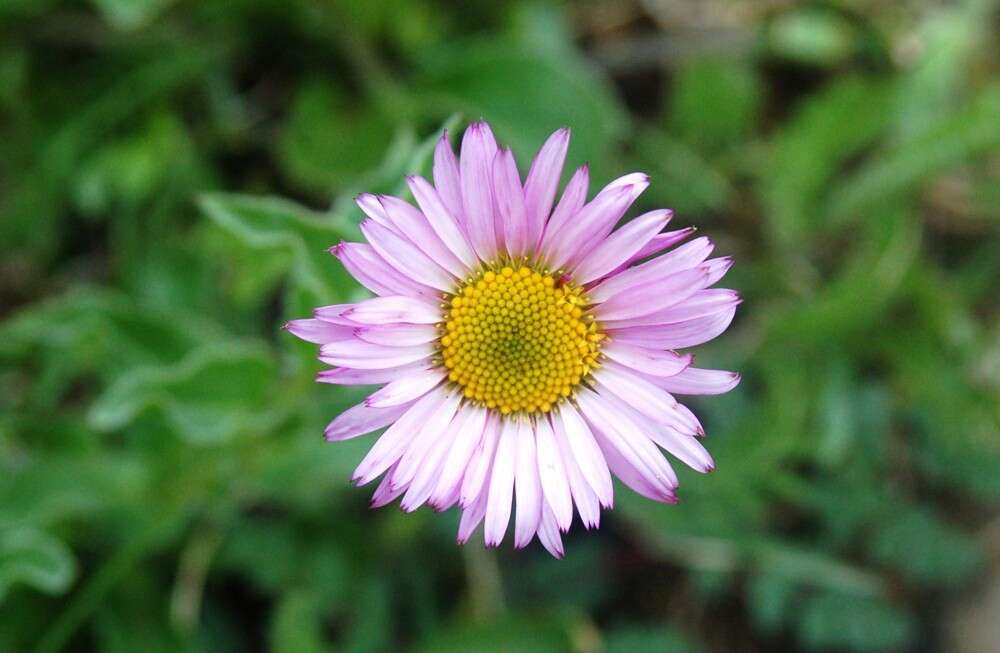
518, 339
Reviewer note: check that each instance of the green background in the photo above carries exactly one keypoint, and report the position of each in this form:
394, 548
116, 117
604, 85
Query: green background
164, 485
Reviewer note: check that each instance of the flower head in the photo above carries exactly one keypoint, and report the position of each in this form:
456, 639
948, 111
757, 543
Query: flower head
526, 353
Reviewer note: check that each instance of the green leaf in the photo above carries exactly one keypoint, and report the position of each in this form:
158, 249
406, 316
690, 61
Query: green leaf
770, 597
923, 548
812, 35
934, 84
130, 14
951, 140
264, 551
713, 102
63, 486
810, 148
373, 609
297, 624
36, 559
683, 179
851, 304
303, 235
326, 143
644, 639
555, 88
87, 330
406, 156
32, 207
209, 396
128, 171
831, 621
96, 317
523, 634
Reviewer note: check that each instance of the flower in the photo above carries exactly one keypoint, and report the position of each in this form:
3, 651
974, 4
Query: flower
525, 352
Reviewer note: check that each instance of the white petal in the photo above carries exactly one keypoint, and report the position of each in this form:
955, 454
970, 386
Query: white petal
406, 389
552, 474
501, 485
527, 486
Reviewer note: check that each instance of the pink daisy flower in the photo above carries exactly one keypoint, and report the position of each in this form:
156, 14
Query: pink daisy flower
526, 353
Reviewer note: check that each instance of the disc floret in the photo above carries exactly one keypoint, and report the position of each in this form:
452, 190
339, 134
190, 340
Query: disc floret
518, 338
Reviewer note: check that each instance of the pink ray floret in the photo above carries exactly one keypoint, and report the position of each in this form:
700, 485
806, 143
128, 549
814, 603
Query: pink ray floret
525, 343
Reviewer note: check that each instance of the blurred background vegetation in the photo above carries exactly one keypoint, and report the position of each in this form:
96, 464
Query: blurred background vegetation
163, 481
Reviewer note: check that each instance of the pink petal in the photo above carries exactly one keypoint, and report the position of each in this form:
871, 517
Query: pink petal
636, 183
398, 335
371, 207
442, 220
366, 356
425, 479
383, 311
644, 396
660, 242
619, 246
646, 299
635, 179
385, 494
319, 331
583, 494
334, 314
527, 487
605, 208
362, 419
509, 199
391, 445
682, 445
416, 228
695, 381
476, 162
651, 362
474, 481
655, 271
631, 476
501, 485
704, 302
569, 425
364, 264
616, 428
542, 183
469, 425
424, 441
573, 198
406, 257
471, 517
552, 474
717, 268
676, 336
349, 376
446, 178
406, 389
685, 448
686, 256
548, 533
445, 503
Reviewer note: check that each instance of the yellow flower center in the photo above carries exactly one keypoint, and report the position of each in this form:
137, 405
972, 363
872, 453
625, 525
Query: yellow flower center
518, 339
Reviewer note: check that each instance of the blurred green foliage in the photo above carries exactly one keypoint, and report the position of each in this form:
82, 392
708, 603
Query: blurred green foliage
163, 483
